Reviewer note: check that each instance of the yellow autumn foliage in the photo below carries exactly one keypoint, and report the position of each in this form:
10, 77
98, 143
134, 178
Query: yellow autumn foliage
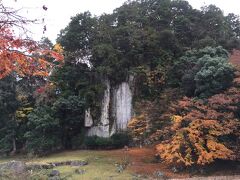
58, 48
138, 126
196, 134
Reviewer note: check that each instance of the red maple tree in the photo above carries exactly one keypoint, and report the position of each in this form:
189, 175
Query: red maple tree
21, 55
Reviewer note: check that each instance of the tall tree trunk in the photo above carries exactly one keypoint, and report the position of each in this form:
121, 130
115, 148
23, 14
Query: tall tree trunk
14, 145
14, 136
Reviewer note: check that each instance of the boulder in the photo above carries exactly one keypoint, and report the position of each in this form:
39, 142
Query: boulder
69, 163
38, 166
175, 170
79, 163
159, 174
61, 163
80, 171
54, 178
14, 166
54, 173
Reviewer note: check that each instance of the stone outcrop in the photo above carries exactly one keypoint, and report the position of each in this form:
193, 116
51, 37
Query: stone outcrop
116, 110
122, 106
88, 118
102, 127
14, 166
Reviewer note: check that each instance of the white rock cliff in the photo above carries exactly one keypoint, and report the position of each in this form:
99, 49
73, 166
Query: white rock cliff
116, 110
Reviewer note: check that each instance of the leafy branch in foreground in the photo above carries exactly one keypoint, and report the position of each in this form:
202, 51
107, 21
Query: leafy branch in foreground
21, 55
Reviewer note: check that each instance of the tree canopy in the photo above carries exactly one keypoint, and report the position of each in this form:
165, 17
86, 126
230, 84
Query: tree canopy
185, 93
21, 54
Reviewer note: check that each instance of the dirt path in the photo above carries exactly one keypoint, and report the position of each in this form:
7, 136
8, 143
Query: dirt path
142, 161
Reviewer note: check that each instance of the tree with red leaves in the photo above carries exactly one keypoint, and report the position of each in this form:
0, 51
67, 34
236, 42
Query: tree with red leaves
21, 55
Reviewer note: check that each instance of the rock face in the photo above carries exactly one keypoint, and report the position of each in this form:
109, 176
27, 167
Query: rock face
102, 128
88, 118
116, 110
122, 106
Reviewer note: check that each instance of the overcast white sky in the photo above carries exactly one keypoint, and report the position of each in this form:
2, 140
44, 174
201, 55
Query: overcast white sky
59, 11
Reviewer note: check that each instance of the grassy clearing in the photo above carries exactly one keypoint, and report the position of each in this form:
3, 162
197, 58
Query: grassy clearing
101, 166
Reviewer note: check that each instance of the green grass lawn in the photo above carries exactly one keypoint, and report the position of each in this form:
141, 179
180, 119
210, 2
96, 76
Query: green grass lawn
101, 165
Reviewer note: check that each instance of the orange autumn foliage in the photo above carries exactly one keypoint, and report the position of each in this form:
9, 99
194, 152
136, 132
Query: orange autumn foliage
24, 56
149, 125
138, 127
203, 130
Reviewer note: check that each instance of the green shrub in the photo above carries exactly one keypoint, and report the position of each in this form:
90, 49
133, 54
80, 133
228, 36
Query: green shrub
214, 75
78, 140
118, 140
90, 142
105, 143
205, 72
43, 132
95, 142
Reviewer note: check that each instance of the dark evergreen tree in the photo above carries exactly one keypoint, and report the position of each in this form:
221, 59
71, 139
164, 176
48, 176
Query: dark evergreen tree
8, 107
